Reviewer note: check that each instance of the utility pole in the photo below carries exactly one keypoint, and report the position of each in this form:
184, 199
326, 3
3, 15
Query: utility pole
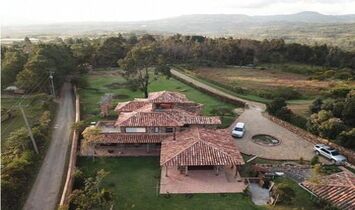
52, 83
29, 129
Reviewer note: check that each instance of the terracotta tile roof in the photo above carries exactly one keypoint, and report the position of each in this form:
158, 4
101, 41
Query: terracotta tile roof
167, 97
191, 118
130, 138
141, 119
199, 146
192, 107
338, 188
131, 106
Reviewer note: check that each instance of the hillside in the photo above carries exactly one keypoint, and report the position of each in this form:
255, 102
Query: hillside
304, 27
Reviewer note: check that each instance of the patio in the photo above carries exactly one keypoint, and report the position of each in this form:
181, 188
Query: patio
200, 181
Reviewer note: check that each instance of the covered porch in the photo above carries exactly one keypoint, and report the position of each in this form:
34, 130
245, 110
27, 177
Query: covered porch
209, 179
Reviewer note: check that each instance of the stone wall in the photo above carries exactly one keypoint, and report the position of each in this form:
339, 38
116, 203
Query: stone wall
68, 185
312, 138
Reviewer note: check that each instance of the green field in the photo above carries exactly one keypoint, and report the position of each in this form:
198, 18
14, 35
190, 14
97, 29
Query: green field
112, 82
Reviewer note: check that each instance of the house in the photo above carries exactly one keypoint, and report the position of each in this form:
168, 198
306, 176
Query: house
168, 124
338, 189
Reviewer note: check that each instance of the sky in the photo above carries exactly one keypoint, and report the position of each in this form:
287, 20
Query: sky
23, 12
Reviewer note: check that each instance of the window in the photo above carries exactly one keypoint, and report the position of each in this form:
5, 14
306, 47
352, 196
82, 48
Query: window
335, 153
135, 130
169, 130
156, 129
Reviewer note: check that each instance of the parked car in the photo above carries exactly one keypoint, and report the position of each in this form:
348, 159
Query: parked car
330, 153
239, 130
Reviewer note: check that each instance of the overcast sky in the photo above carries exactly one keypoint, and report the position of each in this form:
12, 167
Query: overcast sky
49, 11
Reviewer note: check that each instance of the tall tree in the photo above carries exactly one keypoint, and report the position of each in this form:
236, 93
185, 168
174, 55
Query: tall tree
11, 64
139, 63
111, 50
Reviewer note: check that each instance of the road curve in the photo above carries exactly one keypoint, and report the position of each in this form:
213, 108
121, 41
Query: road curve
292, 146
46, 189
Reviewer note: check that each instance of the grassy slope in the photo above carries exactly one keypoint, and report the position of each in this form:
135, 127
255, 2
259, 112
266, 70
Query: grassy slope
134, 182
99, 85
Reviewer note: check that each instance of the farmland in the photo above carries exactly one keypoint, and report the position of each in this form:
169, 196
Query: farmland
264, 83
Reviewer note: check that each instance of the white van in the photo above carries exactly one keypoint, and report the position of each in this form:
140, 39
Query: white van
239, 130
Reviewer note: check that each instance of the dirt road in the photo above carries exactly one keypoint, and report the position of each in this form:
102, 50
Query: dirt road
45, 191
292, 146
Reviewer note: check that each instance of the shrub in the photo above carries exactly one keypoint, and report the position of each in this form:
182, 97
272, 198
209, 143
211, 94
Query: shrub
316, 105
285, 192
315, 160
347, 139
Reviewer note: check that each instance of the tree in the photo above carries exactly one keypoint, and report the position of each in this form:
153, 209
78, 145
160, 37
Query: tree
138, 63
331, 128
11, 64
316, 119
18, 141
349, 109
46, 58
109, 52
347, 139
93, 195
275, 105
278, 107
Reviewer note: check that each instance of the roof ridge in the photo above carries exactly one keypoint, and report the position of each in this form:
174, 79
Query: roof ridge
180, 151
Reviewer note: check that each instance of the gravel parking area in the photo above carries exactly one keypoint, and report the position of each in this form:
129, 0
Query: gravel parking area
292, 147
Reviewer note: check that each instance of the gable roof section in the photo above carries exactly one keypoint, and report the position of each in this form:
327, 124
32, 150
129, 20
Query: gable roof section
149, 119
338, 188
167, 97
199, 146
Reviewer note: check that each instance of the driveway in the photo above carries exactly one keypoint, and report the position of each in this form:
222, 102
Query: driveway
46, 189
292, 147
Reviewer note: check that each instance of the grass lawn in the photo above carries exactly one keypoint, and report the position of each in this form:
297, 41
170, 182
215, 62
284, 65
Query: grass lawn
302, 198
99, 84
134, 182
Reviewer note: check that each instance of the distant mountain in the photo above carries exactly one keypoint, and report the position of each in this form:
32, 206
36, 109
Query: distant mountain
306, 26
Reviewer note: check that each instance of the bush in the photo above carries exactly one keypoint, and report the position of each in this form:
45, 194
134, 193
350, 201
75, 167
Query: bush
285, 192
315, 160
316, 105
347, 139
281, 92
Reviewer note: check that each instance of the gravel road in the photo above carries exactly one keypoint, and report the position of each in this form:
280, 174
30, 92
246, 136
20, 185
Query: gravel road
46, 190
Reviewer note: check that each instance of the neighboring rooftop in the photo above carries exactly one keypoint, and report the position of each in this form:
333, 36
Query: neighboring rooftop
167, 97
200, 146
338, 188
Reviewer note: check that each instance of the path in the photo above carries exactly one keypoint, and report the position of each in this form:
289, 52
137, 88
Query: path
292, 147
46, 189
